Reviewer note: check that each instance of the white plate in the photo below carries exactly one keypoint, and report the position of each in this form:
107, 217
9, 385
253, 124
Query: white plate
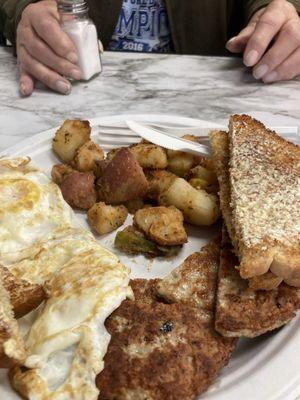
267, 368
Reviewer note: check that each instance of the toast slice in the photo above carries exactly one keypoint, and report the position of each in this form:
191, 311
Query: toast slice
242, 311
220, 146
264, 177
12, 348
167, 350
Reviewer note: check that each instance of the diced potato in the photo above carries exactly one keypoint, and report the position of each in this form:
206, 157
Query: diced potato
59, 172
150, 156
78, 189
159, 181
198, 183
134, 205
198, 207
200, 172
105, 218
69, 137
122, 180
164, 225
86, 157
180, 163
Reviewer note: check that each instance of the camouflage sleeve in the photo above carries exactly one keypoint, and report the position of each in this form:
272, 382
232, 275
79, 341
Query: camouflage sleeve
10, 15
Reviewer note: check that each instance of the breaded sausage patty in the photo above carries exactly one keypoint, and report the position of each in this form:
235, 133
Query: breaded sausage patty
162, 351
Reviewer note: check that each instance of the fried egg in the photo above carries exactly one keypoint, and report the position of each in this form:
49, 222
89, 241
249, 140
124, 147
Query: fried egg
32, 209
68, 340
41, 243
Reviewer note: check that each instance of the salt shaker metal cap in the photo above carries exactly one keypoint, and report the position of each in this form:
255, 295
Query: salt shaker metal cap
80, 28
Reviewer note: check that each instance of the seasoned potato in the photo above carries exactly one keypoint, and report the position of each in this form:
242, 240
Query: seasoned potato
159, 181
122, 180
105, 218
59, 172
180, 163
100, 167
164, 225
134, 205
198, 207
78, 189
87, 156
150, 156
200, 172
69, 137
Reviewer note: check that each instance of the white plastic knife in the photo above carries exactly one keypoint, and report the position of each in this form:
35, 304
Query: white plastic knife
168, 141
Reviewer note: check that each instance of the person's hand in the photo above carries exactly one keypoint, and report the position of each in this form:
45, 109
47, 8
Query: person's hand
45, 53
270, 43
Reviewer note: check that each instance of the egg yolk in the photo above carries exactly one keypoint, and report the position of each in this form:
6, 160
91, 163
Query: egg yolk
18, 194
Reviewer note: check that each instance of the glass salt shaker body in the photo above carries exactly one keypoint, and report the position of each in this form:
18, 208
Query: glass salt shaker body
82, 31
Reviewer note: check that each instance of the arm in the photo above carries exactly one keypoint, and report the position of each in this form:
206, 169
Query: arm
270, 43
10, 15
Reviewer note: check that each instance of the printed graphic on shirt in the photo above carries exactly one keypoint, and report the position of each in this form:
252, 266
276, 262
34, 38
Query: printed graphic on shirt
142, 26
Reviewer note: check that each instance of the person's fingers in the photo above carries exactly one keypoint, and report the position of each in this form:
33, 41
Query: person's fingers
289, 69
39, 50
42, 73
238, 43
26, 83
287, 42
45, 22
266, 28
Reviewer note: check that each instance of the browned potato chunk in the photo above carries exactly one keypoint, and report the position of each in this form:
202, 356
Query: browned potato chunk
197, 206
180, 163
200, 172
87, 156
104, 218
78, 189
59, 172
134, 205
159, 181
164, 225
122, 180
149, 155
69, 137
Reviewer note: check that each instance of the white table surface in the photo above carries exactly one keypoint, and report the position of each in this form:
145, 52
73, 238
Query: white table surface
210, 88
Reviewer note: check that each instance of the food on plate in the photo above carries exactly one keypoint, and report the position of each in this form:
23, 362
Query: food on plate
259, 175
25, 294
194, 282
198, 207
12, 348
67, 341
164, 351
78, 189
200, 172
242, 311
87, 156
59, 172
105, 218
179, 162
44, 257
70, 137
122, 180
132, 241
159, 181
163, 225
150, 155
134, 205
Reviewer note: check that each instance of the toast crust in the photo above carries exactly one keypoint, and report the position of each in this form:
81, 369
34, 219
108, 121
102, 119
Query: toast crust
12, 348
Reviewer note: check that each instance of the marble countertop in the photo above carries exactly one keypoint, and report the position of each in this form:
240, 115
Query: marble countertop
209, 88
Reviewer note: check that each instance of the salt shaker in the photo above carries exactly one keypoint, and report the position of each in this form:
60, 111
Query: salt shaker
82, 31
